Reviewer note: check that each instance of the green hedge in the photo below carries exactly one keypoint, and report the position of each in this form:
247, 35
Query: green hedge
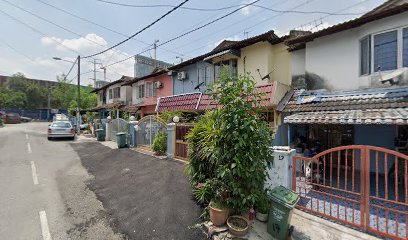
160, 143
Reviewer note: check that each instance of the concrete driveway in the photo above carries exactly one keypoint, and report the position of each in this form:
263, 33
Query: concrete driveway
146, 198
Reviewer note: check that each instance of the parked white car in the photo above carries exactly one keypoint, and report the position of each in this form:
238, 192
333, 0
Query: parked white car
61, 129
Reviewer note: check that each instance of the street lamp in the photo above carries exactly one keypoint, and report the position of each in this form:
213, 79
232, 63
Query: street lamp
60, 59
78, 61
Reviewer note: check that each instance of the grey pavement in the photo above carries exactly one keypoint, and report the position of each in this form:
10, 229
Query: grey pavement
146, 197
69, 209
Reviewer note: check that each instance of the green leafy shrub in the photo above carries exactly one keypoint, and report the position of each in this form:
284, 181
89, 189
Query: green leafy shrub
242, 144
263, 203
231, 145
160, 143
201, 145
167, 116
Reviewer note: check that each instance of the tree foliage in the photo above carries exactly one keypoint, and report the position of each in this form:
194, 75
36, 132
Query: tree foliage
20, 93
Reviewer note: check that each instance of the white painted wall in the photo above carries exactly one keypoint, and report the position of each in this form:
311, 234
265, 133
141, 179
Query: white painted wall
336, 57
124, 92
298, 62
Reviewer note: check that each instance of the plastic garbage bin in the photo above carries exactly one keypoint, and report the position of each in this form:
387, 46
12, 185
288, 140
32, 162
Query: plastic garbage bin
100, 134
283, 202
121, 139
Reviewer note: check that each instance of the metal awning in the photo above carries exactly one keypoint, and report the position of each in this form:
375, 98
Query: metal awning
235, 52
394, 116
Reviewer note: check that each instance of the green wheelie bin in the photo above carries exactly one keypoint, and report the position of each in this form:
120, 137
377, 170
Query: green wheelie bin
283, 202
121, 139
100, 134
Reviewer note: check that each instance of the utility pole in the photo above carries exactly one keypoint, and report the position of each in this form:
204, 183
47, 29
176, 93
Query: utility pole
94, 63
79, 95
49, 103
155, 51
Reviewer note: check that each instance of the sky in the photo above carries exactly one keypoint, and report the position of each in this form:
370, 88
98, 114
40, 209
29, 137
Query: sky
35, 31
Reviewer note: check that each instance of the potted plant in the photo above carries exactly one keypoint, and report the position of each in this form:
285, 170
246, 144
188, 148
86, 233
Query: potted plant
219, 212
218, 207
262, 207
238, 225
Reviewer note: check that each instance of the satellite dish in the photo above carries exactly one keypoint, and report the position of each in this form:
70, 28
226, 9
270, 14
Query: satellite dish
198, 86
267, 76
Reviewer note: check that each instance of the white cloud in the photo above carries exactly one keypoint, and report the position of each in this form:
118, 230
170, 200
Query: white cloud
247, 10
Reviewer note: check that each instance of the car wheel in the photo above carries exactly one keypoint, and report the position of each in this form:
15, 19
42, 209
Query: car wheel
72, 138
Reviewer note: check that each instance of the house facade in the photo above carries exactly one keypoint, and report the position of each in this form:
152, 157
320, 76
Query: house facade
264, 58
352, 55
360, 64
146, 90
113, 96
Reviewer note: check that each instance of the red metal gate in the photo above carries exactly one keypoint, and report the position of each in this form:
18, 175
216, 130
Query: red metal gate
362, 186
181, 148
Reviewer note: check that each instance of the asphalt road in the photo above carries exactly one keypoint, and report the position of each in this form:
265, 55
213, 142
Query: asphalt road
43, 189
146, 197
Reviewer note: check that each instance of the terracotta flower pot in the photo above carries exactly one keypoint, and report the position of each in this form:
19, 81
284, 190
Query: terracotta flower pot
263, 217
218, 216
240, 230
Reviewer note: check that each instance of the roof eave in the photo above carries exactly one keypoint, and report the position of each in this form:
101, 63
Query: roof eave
349, 24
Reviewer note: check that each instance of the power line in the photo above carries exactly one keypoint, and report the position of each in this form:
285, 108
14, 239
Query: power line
140, 31
309, 12
333, 14
209, 23
73, 64
17, 51
101, 26
169, 5
188, 32
228, 26
38, 31
257, 24
57, 25
219, 9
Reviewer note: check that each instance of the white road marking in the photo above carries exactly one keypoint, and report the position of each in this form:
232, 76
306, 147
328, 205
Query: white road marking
29, 148
26, 135
44, 226
34, 172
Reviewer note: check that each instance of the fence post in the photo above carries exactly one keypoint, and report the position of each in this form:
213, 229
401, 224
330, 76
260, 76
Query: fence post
171, 133
108, 130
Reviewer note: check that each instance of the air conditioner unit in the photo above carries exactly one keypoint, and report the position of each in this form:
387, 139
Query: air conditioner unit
158, 84
181, 75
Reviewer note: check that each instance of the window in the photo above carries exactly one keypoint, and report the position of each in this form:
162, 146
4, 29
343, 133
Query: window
230, 65
365, 56
110, 94
405, 47
116, 92
150, 89
101, 96
141, 91
205, 75
386, 51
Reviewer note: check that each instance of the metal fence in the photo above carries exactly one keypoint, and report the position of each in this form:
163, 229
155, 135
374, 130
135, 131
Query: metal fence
147, 129
118, 125
362, 186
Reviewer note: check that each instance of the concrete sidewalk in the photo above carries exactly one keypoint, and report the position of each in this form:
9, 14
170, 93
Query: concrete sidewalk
310, 227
